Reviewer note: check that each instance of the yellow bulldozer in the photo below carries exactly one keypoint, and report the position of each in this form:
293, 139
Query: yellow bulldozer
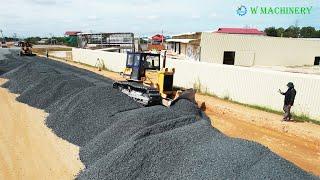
26, 49
149, 82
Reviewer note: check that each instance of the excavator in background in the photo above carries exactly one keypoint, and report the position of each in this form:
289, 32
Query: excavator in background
3, 44
149, 83
26, 49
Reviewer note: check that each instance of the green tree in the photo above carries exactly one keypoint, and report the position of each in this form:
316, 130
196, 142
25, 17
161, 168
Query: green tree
317, 34
33, 40
308, 32
61, 40
271, 31
280, 32
292, 31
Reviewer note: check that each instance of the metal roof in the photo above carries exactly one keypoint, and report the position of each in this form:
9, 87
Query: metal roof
72, 33
240, 31
187, 33
180, 40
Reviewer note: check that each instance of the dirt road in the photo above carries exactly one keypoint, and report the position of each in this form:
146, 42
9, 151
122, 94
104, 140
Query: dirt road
29, 149
296, 142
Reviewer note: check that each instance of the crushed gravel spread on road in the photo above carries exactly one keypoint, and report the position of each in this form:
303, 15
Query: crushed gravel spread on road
120, 139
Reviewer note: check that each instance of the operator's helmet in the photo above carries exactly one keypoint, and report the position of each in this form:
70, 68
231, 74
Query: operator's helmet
290, 85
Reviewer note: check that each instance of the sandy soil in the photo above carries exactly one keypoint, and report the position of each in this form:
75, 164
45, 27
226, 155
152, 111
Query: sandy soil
294, 141
29, 149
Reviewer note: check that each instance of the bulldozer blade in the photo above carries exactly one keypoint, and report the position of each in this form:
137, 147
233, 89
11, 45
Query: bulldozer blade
188, 94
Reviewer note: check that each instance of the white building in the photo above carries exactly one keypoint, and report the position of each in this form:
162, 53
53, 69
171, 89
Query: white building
251, 50
185, 46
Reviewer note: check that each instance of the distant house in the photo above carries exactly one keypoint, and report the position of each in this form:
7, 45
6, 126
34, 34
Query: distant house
244, 47
43, 41
158, 39
157, 42
72, 33
113, 41
185, 46
244, 31
47, 41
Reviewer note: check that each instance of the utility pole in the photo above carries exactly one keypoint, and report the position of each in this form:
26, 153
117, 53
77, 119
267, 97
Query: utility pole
14, 36
162, 37
51, 38
2, 38
296, 24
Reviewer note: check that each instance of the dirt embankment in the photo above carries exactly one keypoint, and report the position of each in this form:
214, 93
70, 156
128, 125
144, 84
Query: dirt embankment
28, 148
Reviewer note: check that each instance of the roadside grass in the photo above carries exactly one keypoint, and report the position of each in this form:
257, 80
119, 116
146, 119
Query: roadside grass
42, 51
297, 117
104, 67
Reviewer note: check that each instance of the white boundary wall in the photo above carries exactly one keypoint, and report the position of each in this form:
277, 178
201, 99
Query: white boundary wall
59, 54
250, 85
112, 61
246, 85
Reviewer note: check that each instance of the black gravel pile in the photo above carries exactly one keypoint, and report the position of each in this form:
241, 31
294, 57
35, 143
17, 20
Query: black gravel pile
184, 106
120, 139
82, 73
7, 64
193, 151
27, 76
86, 114
125, 125
52, 89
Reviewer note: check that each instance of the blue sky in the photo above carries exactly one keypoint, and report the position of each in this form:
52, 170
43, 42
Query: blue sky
144, 17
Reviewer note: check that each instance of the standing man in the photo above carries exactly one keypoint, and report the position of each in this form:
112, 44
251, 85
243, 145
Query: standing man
289, 97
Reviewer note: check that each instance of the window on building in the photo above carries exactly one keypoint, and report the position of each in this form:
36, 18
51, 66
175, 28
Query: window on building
317, 61
228, 57
177, 47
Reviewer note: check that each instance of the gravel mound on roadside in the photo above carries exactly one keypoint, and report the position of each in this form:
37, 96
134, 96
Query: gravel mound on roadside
120, 139
124, 126
27, 76
6, 62
192, 151
51, 89
86, 114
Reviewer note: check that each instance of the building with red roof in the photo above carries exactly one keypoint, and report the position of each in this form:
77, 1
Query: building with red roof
72, 33
156, 42
244, 31
158, 38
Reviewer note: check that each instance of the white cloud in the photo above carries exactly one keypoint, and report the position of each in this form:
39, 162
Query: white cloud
42, 17
92, 18
148, 17
213, 15
195, 16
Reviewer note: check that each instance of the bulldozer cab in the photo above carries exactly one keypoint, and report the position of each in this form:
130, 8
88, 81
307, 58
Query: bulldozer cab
138, 63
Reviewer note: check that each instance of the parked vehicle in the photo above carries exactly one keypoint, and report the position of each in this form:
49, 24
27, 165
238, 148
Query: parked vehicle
4, 44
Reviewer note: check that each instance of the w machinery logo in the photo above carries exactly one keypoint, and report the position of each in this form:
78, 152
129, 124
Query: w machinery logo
242, 10
274, 10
